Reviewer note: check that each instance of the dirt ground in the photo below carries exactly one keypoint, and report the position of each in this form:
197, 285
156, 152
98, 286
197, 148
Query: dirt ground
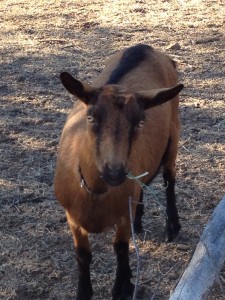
41, 38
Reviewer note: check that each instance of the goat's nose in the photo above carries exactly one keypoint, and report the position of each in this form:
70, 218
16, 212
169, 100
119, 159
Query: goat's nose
114, 174
114, 169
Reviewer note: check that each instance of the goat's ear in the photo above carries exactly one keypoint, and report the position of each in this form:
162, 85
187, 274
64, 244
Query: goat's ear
84, 92
155, 97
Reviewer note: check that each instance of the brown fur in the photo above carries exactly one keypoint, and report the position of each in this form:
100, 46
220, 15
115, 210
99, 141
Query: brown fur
87, 212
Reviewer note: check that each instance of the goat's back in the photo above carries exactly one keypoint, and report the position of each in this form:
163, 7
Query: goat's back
152, 70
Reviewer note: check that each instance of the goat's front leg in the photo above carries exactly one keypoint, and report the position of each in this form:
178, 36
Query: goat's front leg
123, 288
83, 256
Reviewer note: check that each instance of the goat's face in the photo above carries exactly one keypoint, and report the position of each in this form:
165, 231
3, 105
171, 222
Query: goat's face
114, 120
115, 117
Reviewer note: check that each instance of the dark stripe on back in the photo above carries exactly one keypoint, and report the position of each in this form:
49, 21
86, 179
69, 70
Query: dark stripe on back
130, 59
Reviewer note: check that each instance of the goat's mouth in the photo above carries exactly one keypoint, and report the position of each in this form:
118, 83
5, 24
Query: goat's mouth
114, 177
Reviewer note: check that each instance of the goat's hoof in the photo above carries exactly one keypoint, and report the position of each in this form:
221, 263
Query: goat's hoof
124, 292
172, 231
83, 297
87, 295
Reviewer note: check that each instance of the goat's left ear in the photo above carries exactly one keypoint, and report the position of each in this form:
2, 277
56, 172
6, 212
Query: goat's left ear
155, 97
83, 92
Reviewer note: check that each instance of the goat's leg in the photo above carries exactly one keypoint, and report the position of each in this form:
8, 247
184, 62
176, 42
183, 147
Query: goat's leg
173, 226
84, 290
138, 215
123, 288
169, 174
83, 256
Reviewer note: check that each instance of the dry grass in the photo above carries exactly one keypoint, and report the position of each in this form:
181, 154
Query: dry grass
38, 40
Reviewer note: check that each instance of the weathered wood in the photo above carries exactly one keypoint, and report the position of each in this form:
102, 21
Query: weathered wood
207, 260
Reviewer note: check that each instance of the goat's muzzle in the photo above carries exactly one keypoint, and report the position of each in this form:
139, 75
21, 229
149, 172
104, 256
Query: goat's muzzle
114, 174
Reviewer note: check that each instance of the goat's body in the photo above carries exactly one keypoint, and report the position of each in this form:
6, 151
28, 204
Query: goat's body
98, 211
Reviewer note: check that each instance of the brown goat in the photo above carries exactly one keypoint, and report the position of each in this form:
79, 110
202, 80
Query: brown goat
122, 123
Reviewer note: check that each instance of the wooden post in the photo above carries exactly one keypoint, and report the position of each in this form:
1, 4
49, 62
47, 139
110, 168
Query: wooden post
207, 260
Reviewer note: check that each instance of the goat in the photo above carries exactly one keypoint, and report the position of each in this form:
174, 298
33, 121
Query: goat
126, 121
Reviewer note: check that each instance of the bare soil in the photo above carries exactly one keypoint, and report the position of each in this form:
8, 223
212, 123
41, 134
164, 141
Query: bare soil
41, 38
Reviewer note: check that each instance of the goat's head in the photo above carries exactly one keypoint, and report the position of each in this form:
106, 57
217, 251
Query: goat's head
115, 117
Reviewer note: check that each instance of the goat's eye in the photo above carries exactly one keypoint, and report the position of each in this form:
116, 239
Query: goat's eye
90, 119
141, 124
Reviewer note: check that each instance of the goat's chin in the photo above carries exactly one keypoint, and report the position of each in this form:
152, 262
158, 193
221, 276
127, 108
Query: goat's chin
113, 181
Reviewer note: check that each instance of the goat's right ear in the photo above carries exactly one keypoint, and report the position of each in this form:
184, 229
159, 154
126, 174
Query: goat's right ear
84, 92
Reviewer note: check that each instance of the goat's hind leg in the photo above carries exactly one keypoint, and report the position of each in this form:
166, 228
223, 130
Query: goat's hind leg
138, 215
172, 223
169, 174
